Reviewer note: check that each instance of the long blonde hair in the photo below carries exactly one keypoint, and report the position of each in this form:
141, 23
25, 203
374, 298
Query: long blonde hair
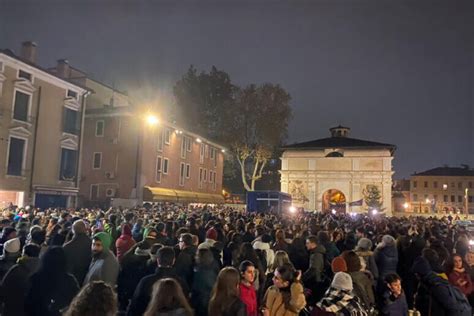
225, 291
281, 257
167, 296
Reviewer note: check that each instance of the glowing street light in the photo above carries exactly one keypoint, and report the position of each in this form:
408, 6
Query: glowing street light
374, 211
292, 209
152, 120
198, 140
223, 150
333, 211
406, 205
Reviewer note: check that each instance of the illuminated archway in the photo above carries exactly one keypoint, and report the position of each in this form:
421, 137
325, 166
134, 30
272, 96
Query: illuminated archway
334, 200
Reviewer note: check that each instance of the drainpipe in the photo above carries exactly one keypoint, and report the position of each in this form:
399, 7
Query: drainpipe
79, 153
33, 155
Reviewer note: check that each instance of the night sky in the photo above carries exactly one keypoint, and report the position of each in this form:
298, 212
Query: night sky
399, 72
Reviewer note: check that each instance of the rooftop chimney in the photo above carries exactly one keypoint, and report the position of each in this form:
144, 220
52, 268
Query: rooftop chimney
62, 68
28, 51
339, 131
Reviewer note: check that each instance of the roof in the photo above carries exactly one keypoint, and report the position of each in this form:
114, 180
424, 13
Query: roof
11, 54
448, 171
339, 142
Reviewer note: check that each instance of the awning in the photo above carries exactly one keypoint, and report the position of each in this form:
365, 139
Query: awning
155, 194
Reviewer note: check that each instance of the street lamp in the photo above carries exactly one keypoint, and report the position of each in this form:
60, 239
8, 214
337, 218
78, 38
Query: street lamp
152, 119
406, 206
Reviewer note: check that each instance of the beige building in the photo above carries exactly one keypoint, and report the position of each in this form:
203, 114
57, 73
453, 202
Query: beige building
335, 172
442, 190
129, 157
40, 132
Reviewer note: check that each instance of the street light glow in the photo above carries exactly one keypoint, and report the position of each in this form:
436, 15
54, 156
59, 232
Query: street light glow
152, 120
223, 150
374, 211
427, 201
292, 209
198, 140
333, 211
405, 205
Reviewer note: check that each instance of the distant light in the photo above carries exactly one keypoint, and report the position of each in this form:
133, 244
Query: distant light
375, 211
427, 201
405, 205
353, 214
471, 242
292, 209
223, 150
152, 120
333, 211
445, 186
198, 140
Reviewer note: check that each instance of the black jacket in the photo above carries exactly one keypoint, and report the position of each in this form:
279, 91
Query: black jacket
204, 279
79, 256
15, 285
387, 260
143, 291
184, 264
132, 269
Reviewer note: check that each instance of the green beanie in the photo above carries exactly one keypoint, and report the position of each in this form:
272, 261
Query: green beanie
104, 238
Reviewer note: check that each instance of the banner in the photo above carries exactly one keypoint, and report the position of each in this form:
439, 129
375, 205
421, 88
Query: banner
356, 203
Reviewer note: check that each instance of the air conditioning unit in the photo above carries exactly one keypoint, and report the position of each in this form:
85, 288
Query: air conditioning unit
110, 175
110, 192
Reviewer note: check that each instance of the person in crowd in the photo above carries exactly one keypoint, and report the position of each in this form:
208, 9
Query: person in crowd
185, 261
248, 253
339, 299
168, 299
458, 275
364, 251
280, 241
386, 258
78, 251
394, 302
51, 288
205, 275
7, 234
361, 281
330, 246
338, 264
104, 266
248, 295
434, 296
162, 237
298, 253
124, 242
142, 294
11, 252
97, 298
15, 283
264, 245
281, 257
286, 296
211, 238
313, 277
249, 235
225, 297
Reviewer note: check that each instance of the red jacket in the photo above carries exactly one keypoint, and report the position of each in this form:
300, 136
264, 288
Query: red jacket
248, 295
124, 242
455, 277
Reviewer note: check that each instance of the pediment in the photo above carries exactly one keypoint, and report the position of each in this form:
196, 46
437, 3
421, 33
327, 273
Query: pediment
24, 85
69, 143
20, 131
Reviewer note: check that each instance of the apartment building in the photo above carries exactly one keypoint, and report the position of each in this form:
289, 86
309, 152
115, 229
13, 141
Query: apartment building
442, 190
131, 156
41, 119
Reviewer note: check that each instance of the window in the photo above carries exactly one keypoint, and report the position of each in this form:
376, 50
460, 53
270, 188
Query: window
68, 164
167, 136
16, 156
460, 198
71, 94
22, 104
182, 171
206, 150
188, 144
470, 199
205, 175
425, 184
213, 153
200, 178
334, 154
71, 122
159, 140
97, 163
435, 184
159, 165
415, 184
470, 184
452, 185
166, 163
214, 184
415, 197
459, 185
183, 147
99, 128
188, 171
94, 192
201, 153
24, 75
445, 198
453, 198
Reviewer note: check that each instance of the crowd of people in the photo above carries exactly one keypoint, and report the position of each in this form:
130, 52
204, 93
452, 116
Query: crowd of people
175, 260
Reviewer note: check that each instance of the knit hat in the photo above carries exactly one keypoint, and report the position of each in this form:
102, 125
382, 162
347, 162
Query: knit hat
104, 238
421, 266
364, 244
12, 245
211, 234
126, 230
387, 240
338, 264
342, 281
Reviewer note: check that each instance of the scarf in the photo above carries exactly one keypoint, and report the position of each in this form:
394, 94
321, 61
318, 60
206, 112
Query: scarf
338, 301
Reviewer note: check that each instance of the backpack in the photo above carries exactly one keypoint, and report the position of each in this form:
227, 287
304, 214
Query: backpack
463, 306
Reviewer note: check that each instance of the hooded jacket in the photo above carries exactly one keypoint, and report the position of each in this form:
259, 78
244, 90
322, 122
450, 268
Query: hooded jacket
124, 242
386, 258
78, 255
316, 265
104, 266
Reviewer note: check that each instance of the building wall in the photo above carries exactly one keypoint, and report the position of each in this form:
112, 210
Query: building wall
49, 93
423, 187
312, 174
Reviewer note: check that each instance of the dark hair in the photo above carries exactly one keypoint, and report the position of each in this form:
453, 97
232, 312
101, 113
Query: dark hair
312, 239
204, 257
225, 291
323, 237
32, 250
287, 272
187, 239
392, 277
450, 262
95, 299
165, 256
266, 238
167, 296
38, 237
155, 247
244, 265
352, 261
